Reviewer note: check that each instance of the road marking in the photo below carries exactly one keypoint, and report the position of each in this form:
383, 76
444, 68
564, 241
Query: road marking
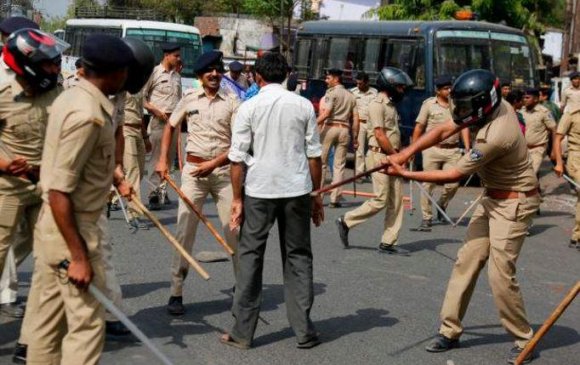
450, 362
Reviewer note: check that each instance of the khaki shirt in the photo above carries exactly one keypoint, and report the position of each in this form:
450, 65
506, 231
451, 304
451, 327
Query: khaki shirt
71, 81
570, 98
242, 80
79, 151
23, 121
570, 126
341, 104
363, 99
209, 122
500, 154
163, 89
433, 114
539, 121
133, 114
384, 115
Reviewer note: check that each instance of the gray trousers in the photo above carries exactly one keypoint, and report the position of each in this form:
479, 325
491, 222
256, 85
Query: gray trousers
293, 218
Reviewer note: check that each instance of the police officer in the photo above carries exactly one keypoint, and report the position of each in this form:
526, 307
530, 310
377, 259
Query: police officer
498, 227
209, 113
436, 111
73, 80
236, 75
569, 126
545, 92
540, 126
506, 87
363, 94
385, 140
78, 167
161, 94
571, 94
335, 122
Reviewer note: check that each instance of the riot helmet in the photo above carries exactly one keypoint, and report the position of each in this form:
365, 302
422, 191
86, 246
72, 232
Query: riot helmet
390, 80
26, 52
476, 94
142, 66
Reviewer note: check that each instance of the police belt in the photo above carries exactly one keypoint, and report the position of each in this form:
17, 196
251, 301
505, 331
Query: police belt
380, 150
508, 194
448, 146
362, 121
338, 124
136, 125
536, 145
195, 159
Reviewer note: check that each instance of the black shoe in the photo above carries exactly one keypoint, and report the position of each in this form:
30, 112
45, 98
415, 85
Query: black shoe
335, 205
116, 328
440, 218
388, 248
442, 344
342, 231
313, 342
573, 243
154, 202
515, 352
19, 356
425, 226
12, 310
175, 306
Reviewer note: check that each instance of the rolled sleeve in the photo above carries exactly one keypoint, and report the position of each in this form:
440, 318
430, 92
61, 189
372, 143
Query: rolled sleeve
179, 113
549, 121
76, 143
241, 138
376, 116
423, 115
312, 137
480, 155
565, 124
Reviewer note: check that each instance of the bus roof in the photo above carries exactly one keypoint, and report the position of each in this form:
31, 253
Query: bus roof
131, 23
402, 28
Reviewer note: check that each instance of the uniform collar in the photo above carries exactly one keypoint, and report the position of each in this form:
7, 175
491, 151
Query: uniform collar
201, 93
339, 86
381, 97
98, 95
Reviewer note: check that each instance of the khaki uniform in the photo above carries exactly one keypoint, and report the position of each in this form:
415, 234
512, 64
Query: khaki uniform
443, 156
336, 132
388, 189
498, 227
363, 99
23, 122
72, 80
164, 91
134, 154
539, 121
209, 126
78, 159
242, 80
569, 126
570, 98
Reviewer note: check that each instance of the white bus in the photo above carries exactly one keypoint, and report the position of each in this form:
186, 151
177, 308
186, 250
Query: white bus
151, 32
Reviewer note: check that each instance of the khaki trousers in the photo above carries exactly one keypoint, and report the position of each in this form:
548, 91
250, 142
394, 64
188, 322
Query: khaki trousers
155, 131
67, 325
14, 209
219, 186
134, 164
537, 156
389, 196
573, 167
436, 158
362, 146
495, 235
339, 138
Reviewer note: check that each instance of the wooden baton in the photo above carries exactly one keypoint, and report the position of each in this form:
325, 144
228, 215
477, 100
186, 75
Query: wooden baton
172, 240
324, 189
205, 221
548, 323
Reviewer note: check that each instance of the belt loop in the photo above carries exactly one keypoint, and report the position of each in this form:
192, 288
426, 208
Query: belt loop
522, 197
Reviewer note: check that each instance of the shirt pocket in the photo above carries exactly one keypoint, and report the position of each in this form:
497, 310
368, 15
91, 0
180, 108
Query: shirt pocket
27, 126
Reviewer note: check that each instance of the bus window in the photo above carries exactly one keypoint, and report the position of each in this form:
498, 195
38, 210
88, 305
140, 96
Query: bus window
190, 45
512, 62
76, 36
406, 55
370, 63
318, 60
456, 57
345, 55
303, 57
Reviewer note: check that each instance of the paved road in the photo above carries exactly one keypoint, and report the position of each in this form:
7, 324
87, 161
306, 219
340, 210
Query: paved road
370, 308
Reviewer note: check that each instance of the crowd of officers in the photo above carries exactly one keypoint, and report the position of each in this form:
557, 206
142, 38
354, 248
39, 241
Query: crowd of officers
98, 137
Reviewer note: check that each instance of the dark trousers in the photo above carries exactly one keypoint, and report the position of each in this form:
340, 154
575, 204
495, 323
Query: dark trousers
293, 217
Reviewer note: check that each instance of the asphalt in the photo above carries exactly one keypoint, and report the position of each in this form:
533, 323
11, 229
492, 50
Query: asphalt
370, 308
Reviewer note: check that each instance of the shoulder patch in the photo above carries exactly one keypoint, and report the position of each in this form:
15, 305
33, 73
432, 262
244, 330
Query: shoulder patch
98, 122
475, 155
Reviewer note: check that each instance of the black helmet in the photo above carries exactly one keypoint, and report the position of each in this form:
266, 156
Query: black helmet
388, 80
141, 67
475, 94
27, 49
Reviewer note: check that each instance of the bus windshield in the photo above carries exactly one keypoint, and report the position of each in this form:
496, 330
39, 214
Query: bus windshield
190, 45
508, 55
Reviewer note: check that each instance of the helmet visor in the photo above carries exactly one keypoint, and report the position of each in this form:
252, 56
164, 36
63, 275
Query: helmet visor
49, 46
462, 109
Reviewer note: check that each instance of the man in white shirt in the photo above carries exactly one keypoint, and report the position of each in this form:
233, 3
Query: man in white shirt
275, 139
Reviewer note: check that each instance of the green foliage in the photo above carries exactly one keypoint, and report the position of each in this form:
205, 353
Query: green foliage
51, 24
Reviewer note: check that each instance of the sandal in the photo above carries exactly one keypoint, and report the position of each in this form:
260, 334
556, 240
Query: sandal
226, 339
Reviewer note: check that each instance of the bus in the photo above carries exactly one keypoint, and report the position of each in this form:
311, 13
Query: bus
151, 32
423, 49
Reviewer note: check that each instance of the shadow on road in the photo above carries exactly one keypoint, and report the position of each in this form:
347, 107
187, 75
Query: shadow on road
141, 289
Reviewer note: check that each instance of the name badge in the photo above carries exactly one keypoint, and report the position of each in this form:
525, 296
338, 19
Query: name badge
192, 112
